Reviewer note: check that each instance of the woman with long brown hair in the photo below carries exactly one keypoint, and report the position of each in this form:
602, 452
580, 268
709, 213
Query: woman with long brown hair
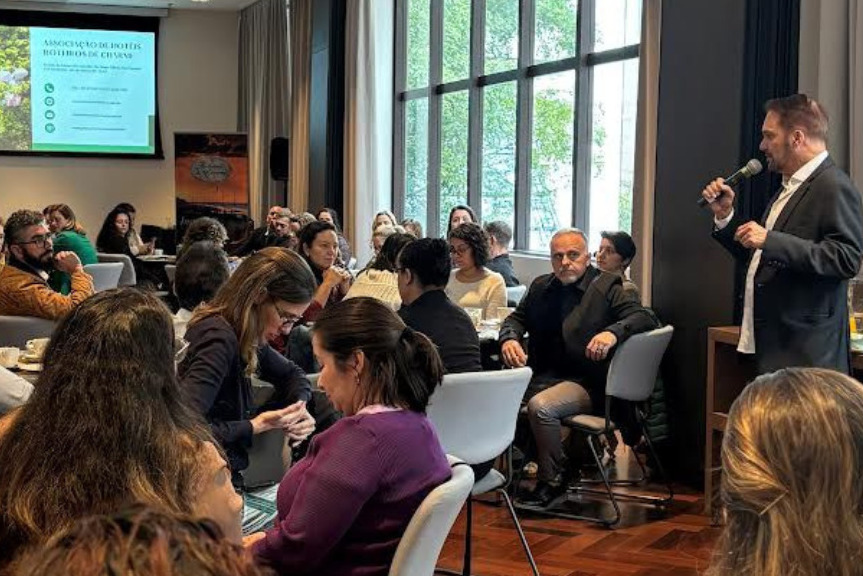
792, 485
228, 339
106, 427
69, 236
344, 507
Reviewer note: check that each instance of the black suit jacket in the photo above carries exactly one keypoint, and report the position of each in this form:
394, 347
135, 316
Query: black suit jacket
801, 285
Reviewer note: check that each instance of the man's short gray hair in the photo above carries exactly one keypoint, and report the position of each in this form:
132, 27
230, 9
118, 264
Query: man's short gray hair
565, 231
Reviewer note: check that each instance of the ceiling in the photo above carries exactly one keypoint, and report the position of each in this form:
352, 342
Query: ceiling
227, 5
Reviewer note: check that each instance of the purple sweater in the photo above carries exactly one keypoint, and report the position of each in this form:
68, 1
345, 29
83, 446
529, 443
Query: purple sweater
344, 507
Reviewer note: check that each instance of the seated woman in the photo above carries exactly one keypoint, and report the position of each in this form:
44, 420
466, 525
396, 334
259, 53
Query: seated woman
379, 280
458, 215
203, 229
412, 226
227, 339
69, 236
141, 541
792, 459
344, 507
319, 245
136, 245
107, 427
471, 284
331, 216
383, 218
615, 254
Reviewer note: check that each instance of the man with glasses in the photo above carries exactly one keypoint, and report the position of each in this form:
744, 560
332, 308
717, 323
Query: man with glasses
575, 317
265, 235
24, 289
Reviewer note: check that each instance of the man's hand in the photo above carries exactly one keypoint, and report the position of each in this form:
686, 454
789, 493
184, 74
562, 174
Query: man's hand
600, 345
720, 198
67, 262
513, 354
751, 235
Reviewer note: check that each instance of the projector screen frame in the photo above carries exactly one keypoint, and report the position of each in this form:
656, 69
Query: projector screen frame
91, 21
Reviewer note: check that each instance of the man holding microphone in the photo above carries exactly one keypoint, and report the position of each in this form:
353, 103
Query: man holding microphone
803, 251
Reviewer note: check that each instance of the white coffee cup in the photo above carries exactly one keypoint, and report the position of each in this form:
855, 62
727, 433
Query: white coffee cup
36, 347
9, 356
158, 252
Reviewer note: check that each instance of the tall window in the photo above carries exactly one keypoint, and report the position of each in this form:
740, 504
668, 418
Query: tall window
524, 109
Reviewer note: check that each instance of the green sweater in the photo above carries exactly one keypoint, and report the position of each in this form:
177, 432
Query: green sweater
71, 241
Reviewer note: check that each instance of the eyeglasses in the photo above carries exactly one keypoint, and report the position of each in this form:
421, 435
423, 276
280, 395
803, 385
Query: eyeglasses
460, 251
287, 318
39, 241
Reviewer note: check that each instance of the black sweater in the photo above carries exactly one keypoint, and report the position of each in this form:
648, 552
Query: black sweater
213, 377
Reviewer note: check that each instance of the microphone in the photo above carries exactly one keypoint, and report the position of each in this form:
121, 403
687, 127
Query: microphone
752, 168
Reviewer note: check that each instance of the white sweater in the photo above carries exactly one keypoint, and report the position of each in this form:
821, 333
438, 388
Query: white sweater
378, 284
488, 293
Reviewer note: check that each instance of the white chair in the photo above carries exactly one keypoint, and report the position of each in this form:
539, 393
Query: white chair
106, 275
171, 273
514, 294
16, 330
475, 415
631, 377
420, 546
128, 277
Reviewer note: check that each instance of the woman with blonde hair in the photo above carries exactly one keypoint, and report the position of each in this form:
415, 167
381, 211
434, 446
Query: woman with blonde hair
792, 485
228, 338
384, 218
107, 427
69, 236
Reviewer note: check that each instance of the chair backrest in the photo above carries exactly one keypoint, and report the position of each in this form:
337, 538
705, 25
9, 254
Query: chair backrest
171, 273
106, 275
16, 330
420, 546
128, 277
514, 294
475, 413
633, 370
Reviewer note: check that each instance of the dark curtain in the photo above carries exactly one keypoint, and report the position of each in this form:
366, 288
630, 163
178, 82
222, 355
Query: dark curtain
770, 71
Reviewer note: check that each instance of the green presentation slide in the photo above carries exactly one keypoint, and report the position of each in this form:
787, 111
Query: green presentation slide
77, 90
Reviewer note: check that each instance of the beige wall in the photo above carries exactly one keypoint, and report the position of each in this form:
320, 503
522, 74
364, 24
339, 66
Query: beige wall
197, 92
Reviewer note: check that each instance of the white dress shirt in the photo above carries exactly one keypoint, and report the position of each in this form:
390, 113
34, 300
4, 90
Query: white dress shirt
746, 345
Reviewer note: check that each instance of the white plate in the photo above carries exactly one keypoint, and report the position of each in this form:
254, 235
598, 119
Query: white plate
29, 367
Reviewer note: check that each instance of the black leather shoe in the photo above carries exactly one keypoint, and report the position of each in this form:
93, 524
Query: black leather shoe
543, 495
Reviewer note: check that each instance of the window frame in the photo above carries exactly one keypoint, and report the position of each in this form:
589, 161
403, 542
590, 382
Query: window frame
583, 63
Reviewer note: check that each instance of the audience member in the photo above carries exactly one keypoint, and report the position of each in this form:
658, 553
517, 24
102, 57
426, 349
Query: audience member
202, 269
204, 230
615, 254
423, 272
261, 237
380, 236
283, 234
24, 289
383, 218
14, 390
412, 226
499, 237
471, 284
106, 427
136, 245
331, 216
344, 507
305, 219
141, 541
116, 233
319, 245
575, 317
68, 236
379, 280
458, 215
792, 460
228, 345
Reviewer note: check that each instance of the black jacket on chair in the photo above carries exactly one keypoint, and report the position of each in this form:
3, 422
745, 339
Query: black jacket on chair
800, 289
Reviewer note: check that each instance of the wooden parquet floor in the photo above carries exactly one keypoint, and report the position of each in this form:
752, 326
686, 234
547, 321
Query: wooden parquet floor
679, 542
